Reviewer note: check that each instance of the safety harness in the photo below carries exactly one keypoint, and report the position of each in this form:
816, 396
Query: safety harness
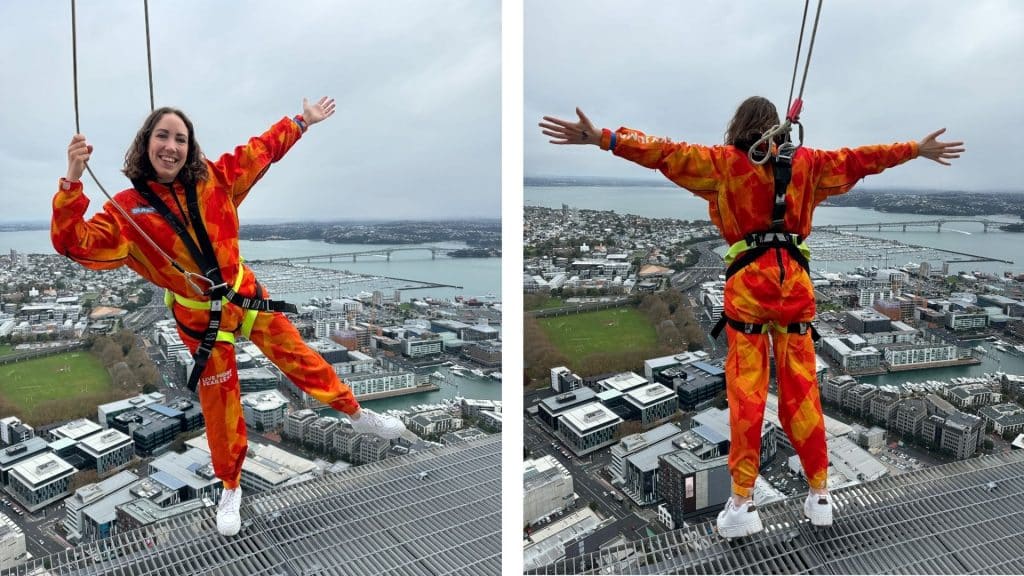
746, 251
219, 292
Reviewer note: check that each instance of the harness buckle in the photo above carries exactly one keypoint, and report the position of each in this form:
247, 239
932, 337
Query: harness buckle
785, 152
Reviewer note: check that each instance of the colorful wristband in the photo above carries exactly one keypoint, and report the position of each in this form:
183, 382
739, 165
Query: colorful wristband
301, 122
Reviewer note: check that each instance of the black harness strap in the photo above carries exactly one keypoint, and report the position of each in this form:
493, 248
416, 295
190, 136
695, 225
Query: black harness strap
206, 259
752, 328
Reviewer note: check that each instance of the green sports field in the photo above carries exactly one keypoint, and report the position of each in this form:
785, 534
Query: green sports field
614, 330
29, 383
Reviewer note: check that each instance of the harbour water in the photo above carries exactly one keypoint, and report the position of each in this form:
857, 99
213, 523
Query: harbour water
478, 277
662, 202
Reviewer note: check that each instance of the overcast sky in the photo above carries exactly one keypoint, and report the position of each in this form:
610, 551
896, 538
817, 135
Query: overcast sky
881, 72
416, 134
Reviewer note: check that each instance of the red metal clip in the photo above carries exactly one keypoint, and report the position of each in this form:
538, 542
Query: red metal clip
794, 111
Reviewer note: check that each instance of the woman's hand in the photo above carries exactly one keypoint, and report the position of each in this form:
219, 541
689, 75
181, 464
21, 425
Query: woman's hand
78, 154
322, 110
932, 149
565, 132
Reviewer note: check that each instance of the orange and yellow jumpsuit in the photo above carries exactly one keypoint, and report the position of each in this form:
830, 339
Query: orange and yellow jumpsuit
107, 241
774, 289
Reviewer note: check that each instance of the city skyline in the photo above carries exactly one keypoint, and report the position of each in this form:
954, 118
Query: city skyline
394, 150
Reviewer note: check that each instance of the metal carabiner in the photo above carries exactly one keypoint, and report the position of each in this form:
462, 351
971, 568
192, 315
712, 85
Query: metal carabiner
188, 278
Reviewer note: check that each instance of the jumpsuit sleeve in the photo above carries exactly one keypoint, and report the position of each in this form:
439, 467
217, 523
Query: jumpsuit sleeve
98, 243
691, 166
239, 170
839, 170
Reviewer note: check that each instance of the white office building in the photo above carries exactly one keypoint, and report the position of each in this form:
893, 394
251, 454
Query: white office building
109, 450
587, 428
909, 355
76, 430
12, 543
653, 402
39, 481
635, 442
90, 495
366, 384
623, 382
264, 410
547, 488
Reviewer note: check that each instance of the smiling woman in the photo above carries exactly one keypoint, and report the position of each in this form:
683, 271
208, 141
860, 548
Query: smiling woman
191, 250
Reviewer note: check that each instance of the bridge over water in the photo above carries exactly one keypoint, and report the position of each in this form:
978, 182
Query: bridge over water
937, 223
379, 253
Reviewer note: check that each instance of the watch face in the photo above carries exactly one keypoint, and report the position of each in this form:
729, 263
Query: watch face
65, 185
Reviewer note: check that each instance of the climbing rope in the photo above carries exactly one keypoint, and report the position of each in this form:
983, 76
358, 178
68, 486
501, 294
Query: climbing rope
793, 107
189, 276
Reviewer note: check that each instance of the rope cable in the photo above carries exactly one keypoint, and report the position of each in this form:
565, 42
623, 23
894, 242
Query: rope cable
793, 106
796, 61
149, 57
78, 130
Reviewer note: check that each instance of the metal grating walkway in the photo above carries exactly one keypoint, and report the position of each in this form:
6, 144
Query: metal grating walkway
947, 519
382, 518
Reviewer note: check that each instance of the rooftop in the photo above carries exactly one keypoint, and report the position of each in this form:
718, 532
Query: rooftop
590, 417
426, 513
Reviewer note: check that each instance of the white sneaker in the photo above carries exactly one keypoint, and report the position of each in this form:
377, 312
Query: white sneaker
818, 509
229, 521
387, 427
738, 522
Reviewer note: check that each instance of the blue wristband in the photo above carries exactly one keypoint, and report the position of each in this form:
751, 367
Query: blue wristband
611, 144
300, 123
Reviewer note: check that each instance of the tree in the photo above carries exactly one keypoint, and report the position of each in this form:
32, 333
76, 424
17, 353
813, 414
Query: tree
126, 338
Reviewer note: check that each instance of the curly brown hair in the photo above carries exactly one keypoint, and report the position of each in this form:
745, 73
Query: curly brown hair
136, 159
753, 118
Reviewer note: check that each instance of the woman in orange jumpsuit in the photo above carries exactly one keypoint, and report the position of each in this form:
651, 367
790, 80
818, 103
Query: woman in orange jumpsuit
768, 293
187, 205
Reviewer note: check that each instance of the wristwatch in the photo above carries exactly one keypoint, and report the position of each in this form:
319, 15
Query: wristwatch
65, 184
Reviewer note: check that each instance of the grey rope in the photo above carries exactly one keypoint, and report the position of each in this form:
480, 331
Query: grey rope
78, 130
785, 127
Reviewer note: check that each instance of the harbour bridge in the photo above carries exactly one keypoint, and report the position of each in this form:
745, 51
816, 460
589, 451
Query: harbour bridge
937, 223
379, 253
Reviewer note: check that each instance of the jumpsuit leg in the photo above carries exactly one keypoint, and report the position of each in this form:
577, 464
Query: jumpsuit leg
800, 404
276, 337
746, 385
220, 398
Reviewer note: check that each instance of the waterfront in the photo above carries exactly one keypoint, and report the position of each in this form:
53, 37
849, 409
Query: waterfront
668, 202
477, 276
991, 362
452, 386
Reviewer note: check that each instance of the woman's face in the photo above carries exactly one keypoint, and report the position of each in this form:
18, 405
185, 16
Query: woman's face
168, 147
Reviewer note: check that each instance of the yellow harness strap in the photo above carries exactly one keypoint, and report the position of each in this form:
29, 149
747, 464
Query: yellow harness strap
248, 319
740, 247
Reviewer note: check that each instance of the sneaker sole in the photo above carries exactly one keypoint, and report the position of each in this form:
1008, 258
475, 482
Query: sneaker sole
742, 530
818, 520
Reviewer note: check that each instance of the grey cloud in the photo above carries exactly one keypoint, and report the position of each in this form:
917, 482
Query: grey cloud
880, 72
416, 133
